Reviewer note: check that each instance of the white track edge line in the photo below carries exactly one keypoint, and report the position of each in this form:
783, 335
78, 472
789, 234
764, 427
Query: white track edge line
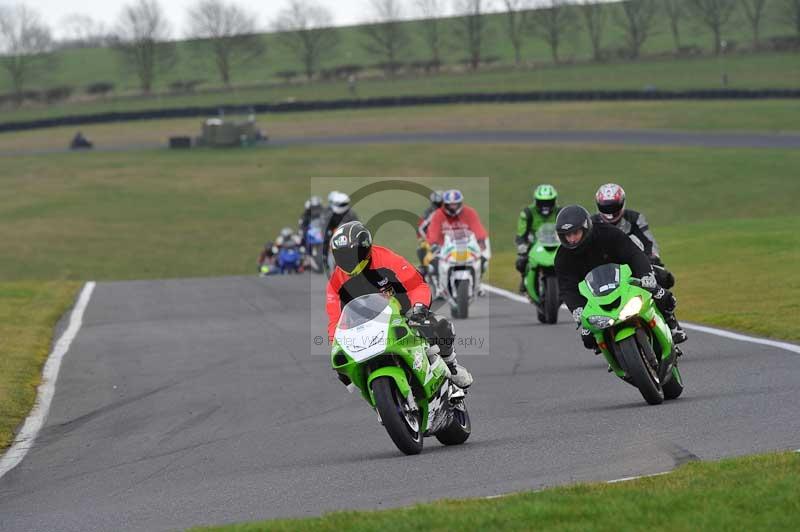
628, 479
794, 348
44, 395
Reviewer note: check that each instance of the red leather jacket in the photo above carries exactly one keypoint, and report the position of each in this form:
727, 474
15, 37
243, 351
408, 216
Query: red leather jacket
388, 273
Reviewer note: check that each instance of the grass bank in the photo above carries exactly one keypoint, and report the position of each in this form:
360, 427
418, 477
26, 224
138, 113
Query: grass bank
753, 493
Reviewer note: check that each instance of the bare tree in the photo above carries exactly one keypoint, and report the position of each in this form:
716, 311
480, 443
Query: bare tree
228, 31
142, 35
594, 20
714, 14
675, 11
25, 46
636, 18
791, 13
516, 24
754, 11
552, 22
471, 28
432, 11
82, 31
386, 37
306, 28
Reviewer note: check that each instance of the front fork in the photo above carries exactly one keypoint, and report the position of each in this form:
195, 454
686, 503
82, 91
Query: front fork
531, 284
659, 334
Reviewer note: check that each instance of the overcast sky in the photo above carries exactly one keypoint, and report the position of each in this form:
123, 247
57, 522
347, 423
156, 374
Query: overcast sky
106, 11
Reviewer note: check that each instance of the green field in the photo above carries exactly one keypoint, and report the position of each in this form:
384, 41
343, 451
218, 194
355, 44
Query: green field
720, 214
257, 83
744, 72
754, 493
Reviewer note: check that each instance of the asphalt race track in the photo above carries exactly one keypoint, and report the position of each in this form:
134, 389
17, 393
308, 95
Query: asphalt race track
189, 402
631, 137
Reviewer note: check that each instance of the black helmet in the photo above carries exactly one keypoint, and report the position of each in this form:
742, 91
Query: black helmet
351, 245
569, 221
436, 198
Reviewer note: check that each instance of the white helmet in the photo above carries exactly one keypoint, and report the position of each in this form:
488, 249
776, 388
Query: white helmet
339, 202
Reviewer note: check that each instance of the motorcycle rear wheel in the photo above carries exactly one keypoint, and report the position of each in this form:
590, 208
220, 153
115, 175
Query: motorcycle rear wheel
458, 430
674, 387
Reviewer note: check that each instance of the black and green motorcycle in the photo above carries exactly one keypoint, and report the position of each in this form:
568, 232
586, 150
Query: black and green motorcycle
541, 282
631, 332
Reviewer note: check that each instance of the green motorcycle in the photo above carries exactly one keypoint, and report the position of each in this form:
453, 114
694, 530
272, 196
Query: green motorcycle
398, 374
541, 282
631, 332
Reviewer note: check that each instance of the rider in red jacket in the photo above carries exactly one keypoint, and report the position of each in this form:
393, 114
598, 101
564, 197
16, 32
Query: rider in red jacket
363, 268
455, 215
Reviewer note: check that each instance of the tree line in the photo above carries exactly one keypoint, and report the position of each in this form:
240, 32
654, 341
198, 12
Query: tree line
144, 39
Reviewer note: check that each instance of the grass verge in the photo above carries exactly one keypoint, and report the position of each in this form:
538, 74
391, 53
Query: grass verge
29, 311
756, 493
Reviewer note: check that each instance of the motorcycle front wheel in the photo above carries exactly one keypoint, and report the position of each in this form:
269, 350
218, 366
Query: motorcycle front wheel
638, 369
402, 424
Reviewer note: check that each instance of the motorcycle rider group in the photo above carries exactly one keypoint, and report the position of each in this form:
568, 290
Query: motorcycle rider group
329, 217
614, 234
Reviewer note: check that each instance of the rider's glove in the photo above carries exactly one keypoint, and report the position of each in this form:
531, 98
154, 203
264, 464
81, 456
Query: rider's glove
522, 249
588, 339
522, 262
648, 282
576, 315
434, 248
418, 314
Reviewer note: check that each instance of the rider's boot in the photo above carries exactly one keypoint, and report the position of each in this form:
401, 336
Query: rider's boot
458, 374
678, 334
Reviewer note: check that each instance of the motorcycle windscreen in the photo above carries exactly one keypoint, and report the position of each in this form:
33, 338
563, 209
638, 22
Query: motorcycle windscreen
363, 327
461, 245
604, 279
547, 236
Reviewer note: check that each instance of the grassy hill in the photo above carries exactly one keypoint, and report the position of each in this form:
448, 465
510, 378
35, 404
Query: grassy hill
79, 67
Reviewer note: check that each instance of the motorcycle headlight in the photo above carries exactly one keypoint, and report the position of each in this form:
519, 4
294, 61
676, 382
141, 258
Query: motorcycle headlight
601, 322
631, 308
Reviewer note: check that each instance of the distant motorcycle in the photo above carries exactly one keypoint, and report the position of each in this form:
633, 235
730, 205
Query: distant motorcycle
631, 332
288, 260
398, 374
541, 282
459, 271
314, 239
